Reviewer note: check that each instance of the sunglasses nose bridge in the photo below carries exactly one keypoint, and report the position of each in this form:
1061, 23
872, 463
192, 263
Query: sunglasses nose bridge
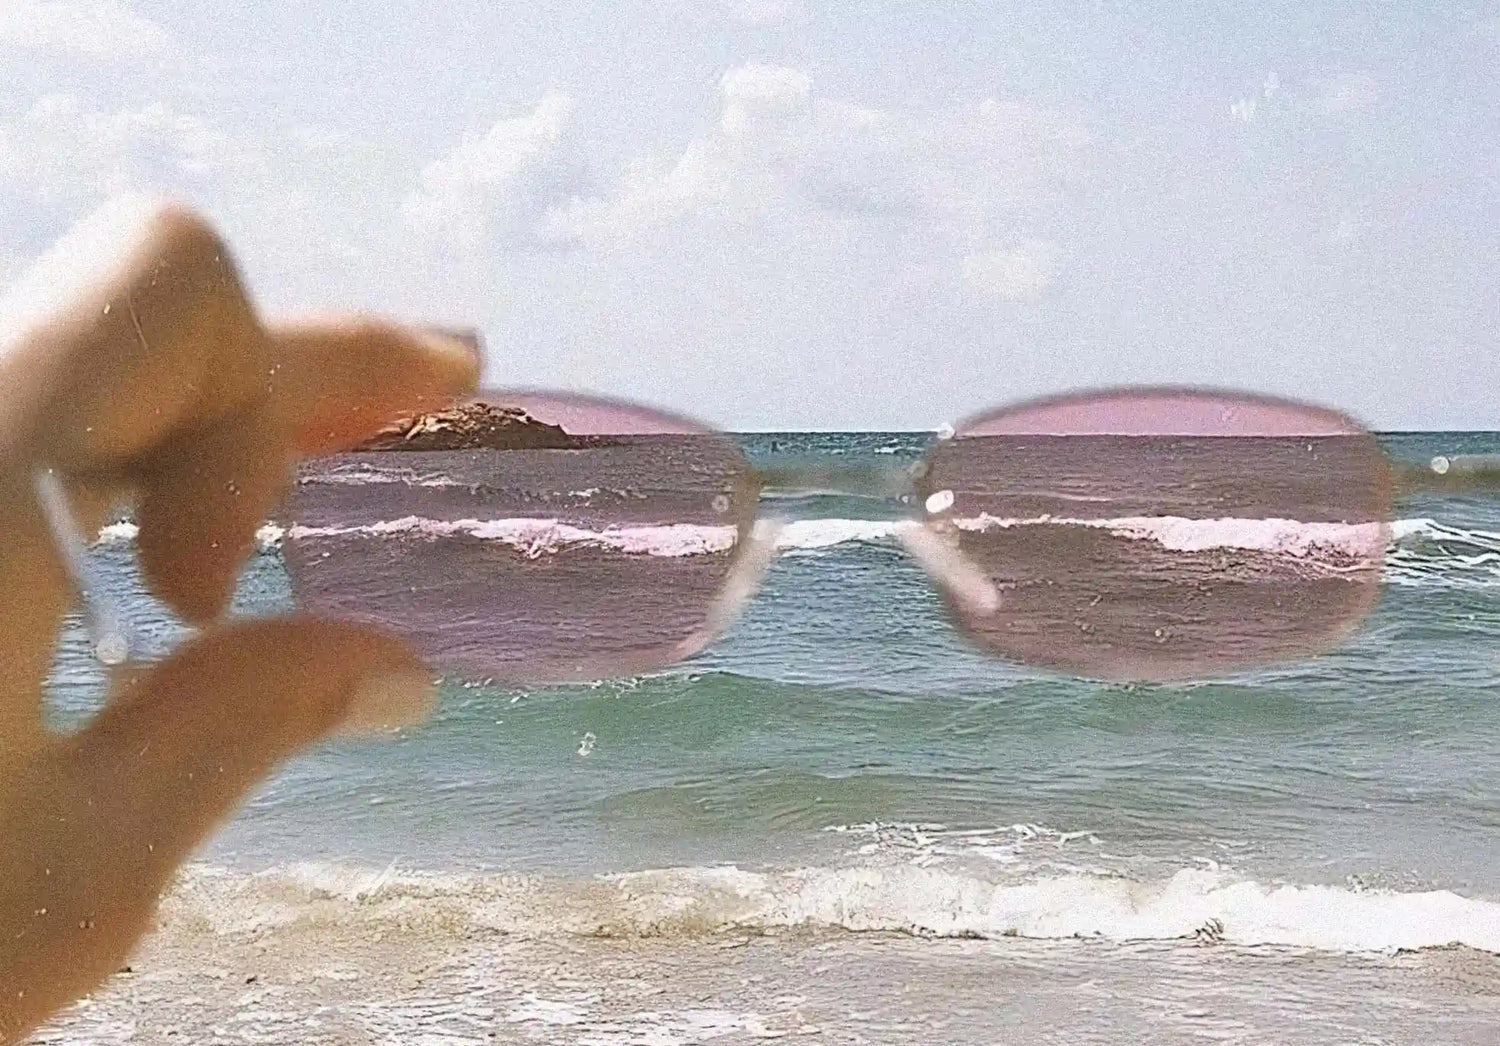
811, 476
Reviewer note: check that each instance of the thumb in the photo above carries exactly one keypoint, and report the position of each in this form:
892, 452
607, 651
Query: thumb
92, 831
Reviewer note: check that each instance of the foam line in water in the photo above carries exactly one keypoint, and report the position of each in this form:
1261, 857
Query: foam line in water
1420, 553
1427, 554
367, 476
899, 898
539, 537
363, 475
1173, 532
267, 537
1181, 534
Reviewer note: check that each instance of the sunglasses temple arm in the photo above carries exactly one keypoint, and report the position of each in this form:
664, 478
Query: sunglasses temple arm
1449, 474
109, 628
756, 555
964, 581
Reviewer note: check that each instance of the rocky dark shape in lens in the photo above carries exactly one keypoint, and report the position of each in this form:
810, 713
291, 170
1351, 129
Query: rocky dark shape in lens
1141, 555
472, 426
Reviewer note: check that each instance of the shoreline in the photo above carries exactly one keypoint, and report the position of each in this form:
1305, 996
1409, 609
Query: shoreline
385, 981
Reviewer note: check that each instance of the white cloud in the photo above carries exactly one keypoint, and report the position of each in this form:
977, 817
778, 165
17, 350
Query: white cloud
109, 30
894, 199
490, 183
1019, 274
63, 152
732, 175
1346, 94
767, 14
1344, 227
313, 213
823, 171
758, 94
314, 228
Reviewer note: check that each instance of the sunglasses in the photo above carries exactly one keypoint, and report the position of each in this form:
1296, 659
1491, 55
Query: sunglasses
1125, 534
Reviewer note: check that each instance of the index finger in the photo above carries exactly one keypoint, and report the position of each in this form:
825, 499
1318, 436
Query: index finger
136, 327
131, 357
331, 383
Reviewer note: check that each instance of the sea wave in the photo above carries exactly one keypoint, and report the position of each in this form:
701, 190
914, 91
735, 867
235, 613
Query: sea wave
1288, 537
268, 536
1426, 553
1179, 534
539, 537
1419, 552
1207, 904
369, 476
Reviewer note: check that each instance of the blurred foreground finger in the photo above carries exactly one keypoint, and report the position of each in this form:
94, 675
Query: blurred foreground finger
94, 828
340, 380
335, 382
200, 506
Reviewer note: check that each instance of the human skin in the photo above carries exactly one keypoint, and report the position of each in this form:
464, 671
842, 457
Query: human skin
135, 365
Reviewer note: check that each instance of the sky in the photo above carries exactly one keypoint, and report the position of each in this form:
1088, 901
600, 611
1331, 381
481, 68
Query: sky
788, 214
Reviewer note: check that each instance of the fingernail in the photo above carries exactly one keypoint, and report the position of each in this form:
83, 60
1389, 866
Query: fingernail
389, 702
470, 339
461, 353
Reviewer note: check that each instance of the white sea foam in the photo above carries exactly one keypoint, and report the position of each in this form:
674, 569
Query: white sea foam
906, 898
364, 476
1281, 536
926, 844
825, 533
116, 533
267, 538
1179, 534
539, 537
1420, 552
1427, 553
370, 476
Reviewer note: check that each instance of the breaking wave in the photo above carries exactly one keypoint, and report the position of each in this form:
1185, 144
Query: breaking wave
538, 537
1207, 904
1425, 552
267, 539
368, 476
1281, 536
1287, 537
1419, 552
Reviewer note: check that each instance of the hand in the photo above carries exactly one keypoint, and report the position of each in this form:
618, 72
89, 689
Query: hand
133, 363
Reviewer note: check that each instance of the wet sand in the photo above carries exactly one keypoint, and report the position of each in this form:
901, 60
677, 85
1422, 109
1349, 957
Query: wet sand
380, 972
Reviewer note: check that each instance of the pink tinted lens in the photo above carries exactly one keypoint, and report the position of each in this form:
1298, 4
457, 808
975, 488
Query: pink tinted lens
1163, 534
529, 537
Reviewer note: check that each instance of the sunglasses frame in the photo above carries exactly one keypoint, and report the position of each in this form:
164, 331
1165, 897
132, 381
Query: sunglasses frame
113, 636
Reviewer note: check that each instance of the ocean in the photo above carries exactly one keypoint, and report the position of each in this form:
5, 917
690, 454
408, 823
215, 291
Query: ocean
904, 839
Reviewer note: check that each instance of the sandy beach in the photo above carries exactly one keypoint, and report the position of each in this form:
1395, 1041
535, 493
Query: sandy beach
321, 968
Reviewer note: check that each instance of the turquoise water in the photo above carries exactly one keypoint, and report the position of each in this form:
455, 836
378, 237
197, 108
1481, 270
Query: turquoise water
843, 723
